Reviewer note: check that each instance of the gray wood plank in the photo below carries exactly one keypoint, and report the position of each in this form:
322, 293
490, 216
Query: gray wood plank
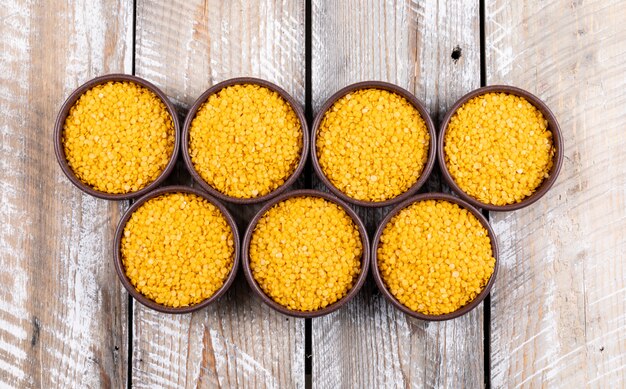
369, 343
63, 313
185, 47
559, 307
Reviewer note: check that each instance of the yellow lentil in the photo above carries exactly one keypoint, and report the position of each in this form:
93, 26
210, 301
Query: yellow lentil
118, 137
305, 253
177, 249
372, 145
245, 141
435, 257
498, 148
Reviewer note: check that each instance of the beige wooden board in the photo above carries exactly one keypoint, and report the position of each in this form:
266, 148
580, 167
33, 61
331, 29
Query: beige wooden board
369, 343
184, 47
559, 306
63, 314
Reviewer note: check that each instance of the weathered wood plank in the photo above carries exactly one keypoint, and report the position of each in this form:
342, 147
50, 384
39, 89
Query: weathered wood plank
185, 47
559, 307
370, 343
63, 315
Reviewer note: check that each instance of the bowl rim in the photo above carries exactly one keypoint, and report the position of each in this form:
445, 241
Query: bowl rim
415, 102
463, 204
365, 257
64, 112
215, 89
119, 268
557, 141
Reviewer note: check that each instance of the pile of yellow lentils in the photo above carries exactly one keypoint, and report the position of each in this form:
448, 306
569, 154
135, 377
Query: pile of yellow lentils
372, 145
498, 148
245, 141
305, 253
177, 249
435, 257
118, 137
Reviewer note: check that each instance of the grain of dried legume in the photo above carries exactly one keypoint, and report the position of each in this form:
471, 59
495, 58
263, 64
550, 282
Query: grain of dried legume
372, 145
305, 253
245, 141
498, 148
118, 137
177, 249
435, 257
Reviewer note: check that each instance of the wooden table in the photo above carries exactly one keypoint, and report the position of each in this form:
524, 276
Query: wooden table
556, 316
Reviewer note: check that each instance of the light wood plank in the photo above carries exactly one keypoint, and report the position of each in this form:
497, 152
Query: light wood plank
63, 315
185, 47
559, 307
369, 343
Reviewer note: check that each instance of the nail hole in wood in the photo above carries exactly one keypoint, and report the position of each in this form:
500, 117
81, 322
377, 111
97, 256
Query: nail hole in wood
456, 53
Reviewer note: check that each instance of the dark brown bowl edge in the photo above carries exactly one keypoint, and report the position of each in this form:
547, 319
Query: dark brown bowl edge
415, 102
557, 141
62, 116
119, 267
192, 114
365, 258
383, 288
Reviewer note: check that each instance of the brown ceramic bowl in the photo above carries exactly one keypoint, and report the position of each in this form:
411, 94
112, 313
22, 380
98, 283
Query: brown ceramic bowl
192, 114
119, 267
267, 299
383, 288
557, 141
430, 162
58, 136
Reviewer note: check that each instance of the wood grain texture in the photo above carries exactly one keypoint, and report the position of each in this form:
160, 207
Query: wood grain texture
63, 314
369, 343
559, 307
184, 47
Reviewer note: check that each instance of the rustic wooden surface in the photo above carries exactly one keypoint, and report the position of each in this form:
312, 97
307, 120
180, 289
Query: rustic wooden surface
559, 307
557, 312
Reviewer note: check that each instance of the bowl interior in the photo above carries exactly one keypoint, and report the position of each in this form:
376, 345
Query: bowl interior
119, 267
64, 112
430, 162
557, 141
381, 284
238, 81
336, 305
